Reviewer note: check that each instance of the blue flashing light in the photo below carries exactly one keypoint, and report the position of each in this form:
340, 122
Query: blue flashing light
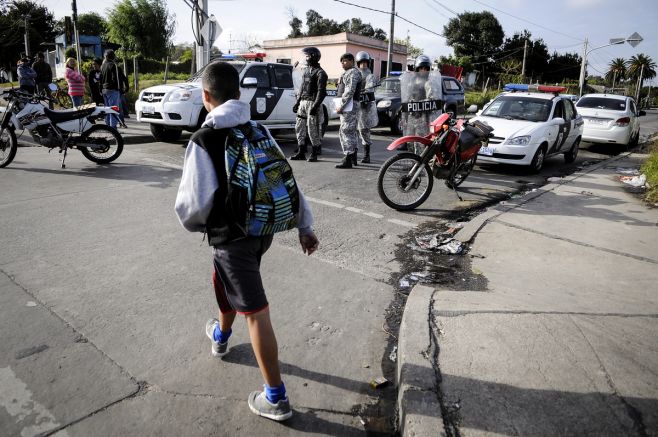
516, 87
228, 56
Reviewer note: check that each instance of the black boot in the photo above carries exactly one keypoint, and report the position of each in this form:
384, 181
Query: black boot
314, 154
347, 162
300, 154
354, 159
366, 156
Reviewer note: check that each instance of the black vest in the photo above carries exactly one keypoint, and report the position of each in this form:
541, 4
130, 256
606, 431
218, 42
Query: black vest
221, 225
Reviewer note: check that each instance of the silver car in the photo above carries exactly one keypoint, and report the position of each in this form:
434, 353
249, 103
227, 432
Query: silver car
610, 119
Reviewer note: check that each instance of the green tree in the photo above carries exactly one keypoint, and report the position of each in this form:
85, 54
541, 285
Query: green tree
537, 56
41, 25
641, 64
474, 34
142, 27
317, 25
616, 71
562, 67
88, 24
412, 50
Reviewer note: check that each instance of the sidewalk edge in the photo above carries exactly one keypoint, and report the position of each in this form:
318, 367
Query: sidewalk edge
418, 403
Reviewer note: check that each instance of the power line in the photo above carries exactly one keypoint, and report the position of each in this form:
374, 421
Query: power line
436, 10
527, 21
445, 7
389, 13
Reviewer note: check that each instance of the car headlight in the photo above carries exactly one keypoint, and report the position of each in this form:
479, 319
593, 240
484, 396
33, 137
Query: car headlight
519, 141
384, 104
180, 96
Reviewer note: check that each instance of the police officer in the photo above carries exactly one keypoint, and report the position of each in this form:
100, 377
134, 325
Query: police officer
308, 107
418, 122
349, 90
367, 109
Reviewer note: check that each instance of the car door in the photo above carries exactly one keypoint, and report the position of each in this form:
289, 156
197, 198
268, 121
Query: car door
259, 95
563, 129
575, 121
284, 93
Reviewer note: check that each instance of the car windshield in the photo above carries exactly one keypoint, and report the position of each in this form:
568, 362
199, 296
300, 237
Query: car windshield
514, 107
602, 103
196, 77
389, 86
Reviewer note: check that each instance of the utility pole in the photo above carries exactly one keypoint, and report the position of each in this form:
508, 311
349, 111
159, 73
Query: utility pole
639, 84
525, 51
389, 61
27, 34
583, 67
74, 17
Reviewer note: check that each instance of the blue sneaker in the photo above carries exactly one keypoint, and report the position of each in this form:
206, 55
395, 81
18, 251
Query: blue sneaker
218, 349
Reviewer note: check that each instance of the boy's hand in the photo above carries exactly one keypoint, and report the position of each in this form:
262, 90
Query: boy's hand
309, 243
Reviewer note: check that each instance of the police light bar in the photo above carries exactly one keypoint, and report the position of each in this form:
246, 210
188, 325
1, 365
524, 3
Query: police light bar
534, 88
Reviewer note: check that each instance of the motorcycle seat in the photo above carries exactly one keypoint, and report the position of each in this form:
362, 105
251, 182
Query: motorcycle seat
67, 114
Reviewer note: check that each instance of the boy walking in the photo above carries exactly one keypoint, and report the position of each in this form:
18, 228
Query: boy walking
201, 207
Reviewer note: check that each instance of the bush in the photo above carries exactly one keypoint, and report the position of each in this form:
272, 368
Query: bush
479, 98
650, 169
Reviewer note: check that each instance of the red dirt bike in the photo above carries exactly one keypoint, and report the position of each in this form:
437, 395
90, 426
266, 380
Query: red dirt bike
405, 181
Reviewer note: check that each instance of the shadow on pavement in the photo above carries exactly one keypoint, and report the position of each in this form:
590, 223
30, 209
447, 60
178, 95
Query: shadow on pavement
152, 175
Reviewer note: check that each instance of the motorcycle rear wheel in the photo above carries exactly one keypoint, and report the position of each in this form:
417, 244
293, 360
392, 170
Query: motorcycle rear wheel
8, 147
108, 139
393, 179
462, 172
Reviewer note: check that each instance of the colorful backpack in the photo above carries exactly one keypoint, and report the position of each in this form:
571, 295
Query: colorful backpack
260, 182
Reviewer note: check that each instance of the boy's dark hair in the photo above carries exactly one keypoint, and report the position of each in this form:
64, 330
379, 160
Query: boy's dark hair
348, 56
221, 80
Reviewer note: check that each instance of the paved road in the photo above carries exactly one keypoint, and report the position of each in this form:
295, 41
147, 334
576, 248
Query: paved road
103, 296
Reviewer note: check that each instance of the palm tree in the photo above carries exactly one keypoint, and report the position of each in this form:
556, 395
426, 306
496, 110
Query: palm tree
640, 67
616, 70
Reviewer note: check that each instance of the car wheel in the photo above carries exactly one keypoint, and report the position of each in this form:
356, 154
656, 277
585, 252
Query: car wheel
396, 124
163, 134
635, 140
538, 160
571, 155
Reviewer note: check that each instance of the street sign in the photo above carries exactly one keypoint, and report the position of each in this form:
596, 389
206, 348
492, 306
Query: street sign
634, 39
617, 40
211, 30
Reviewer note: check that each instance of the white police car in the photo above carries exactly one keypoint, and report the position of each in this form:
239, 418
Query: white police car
531, 126
267, 87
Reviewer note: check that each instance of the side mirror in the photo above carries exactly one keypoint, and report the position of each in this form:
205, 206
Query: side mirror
472, 109
52, 87
250, 82
557, 121
642, 113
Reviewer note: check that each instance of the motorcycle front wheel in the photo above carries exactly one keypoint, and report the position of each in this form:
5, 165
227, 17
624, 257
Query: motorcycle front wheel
393, 182
101, 144
8, 147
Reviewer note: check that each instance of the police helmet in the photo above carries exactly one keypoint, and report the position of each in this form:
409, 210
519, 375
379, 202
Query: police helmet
313, 54
422, 61
362, 56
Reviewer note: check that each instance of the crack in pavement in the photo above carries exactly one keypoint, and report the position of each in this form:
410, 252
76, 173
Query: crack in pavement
634, 414
579, 243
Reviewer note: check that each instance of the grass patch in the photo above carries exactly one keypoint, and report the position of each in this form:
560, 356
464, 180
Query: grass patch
650, 169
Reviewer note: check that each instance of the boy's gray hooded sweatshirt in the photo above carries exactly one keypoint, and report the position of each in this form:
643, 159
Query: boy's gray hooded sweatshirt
199, 181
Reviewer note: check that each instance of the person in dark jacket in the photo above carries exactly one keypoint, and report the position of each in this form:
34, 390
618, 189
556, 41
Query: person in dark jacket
111, 85
44, 75
94, 81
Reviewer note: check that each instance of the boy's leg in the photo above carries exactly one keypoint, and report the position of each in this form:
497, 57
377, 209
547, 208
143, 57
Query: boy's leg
265, 346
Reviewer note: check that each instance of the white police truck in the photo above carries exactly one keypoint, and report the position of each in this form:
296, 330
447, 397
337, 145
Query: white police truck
267, 87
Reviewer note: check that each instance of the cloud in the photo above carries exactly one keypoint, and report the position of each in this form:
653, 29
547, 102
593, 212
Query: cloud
582, 4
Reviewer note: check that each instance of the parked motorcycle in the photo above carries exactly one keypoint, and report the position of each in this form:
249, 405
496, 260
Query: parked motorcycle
405, 181
66, 129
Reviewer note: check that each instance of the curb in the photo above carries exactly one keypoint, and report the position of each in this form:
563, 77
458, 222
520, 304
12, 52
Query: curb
418, 403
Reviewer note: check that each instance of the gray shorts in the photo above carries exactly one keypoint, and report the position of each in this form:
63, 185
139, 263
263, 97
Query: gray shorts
237, 267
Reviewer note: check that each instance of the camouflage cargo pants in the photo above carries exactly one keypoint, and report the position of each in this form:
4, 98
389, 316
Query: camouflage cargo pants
308, 124
347, 132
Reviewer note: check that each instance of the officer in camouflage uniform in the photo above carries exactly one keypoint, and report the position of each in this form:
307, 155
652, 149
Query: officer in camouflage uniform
308, 107
349, 90
367, 108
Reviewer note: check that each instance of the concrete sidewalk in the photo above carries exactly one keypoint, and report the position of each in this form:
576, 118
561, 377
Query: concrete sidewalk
565, 339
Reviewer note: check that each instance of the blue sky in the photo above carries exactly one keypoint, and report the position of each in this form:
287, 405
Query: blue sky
562, 24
